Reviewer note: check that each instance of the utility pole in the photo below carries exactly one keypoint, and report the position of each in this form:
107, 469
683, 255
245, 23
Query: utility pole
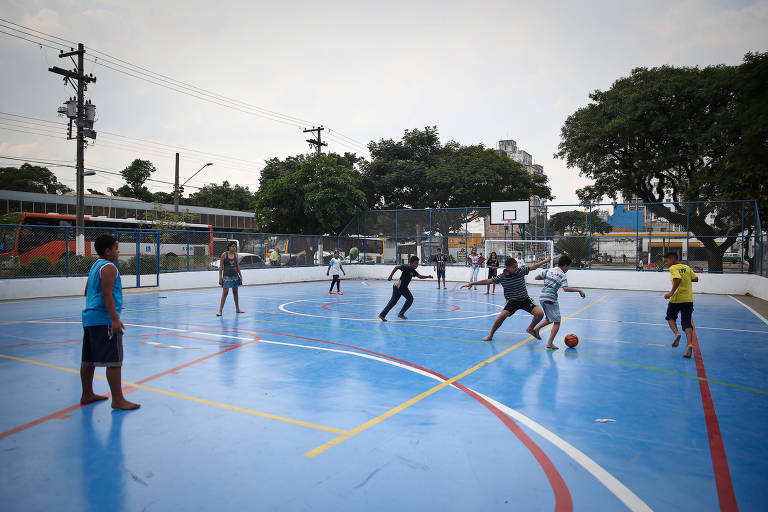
84, 118
318, 143
176, 187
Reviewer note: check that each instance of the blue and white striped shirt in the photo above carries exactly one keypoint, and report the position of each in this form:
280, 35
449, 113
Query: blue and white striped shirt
554, 279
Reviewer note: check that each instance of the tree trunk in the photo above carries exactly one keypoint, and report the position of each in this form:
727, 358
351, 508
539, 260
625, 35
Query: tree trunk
715, 252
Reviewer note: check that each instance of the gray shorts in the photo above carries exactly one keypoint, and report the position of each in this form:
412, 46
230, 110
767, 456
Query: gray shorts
552, 310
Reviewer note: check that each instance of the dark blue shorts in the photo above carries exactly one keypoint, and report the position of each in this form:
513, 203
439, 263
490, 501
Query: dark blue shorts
686, 311
441, 274
102, 346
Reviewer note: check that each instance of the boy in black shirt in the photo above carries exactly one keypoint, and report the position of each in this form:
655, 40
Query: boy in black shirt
440, 260
401, 287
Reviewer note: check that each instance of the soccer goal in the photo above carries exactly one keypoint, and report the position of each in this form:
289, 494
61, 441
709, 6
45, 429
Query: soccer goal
524, 251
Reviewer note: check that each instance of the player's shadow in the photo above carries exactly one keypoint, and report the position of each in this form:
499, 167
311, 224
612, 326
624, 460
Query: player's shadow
104, 476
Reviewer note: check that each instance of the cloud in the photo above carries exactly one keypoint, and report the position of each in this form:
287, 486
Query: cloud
45, 20
19, 150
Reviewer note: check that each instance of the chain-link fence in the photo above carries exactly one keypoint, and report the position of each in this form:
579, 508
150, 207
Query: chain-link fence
709, 236
713, 236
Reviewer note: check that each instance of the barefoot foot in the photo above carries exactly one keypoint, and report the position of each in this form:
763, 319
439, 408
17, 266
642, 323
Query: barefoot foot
552, 347
218, 314
534, 333
677, 340
402, 316
124, 405
488, 338
382, 318
240, 311
688, 351
89, 399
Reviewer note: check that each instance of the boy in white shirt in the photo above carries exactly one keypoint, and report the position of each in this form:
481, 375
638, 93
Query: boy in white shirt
337, 267
554, 279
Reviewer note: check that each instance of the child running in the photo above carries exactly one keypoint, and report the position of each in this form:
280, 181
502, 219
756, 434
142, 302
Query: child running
512, 279
680, 300
440, 261
554, 279
400, 287
337, 267
102, 327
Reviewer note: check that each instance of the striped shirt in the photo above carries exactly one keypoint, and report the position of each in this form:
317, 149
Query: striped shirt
554, 279
514, 284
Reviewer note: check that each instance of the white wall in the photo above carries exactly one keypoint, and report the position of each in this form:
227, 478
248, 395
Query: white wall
730, 284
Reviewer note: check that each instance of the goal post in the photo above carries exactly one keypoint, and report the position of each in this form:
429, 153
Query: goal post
524, 251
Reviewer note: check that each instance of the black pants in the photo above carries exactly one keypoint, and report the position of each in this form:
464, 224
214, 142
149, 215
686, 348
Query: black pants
396, 294
335, 281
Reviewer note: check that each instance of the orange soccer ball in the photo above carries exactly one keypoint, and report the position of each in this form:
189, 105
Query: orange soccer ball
571, 340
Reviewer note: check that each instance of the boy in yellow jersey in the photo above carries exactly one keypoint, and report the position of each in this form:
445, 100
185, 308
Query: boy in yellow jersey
680, 299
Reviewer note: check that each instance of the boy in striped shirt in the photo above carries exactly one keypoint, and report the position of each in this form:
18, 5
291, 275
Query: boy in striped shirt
554, 279
513, 282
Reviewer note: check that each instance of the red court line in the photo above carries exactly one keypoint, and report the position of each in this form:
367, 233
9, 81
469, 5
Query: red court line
34, 343
725, 493
563, 500
63, 414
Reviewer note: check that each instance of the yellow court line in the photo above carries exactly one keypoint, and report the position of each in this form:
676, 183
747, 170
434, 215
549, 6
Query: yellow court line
193, 399
618, 341
378, 419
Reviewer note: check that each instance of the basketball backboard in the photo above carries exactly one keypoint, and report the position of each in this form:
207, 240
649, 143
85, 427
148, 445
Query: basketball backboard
510, 212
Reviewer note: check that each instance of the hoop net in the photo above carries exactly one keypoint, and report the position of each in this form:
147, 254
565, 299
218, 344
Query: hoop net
524, 251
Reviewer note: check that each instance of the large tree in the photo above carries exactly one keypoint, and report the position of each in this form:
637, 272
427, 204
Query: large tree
315, 194
135, 175
223, 196
575, 222
31, 178
419, 171
673, 132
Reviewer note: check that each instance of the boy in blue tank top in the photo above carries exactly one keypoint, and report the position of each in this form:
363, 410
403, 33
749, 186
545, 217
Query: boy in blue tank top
102, 327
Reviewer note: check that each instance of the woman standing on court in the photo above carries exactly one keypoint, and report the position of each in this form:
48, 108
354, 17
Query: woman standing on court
475, 260
493, 266
230, 276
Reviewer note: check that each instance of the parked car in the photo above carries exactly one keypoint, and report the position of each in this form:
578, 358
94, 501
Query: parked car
246, 260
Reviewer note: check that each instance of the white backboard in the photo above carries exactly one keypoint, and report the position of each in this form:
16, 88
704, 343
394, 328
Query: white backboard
510, 212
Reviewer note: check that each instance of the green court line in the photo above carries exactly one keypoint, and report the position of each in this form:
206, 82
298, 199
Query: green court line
671, 372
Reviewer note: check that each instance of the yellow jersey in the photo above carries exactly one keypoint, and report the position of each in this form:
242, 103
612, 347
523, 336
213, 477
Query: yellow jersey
684, 292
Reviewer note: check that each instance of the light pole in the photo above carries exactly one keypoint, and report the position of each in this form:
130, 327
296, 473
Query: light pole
177, 188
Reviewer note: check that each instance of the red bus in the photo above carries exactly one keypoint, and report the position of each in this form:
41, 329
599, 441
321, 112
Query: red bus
46, 234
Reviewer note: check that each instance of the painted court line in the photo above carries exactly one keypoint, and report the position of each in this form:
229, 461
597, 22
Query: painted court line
758, 315
666, 325
372, 422
632, 501
725, 493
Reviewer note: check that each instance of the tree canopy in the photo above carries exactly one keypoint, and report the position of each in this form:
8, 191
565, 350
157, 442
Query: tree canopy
135, 175
223, 196
419, 171
31, 178
577, 223
678, 133
315, 194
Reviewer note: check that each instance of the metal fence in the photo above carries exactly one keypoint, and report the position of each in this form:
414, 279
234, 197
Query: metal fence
714, 236
54, 251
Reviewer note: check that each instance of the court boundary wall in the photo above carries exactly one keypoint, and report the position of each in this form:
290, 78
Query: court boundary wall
723, 284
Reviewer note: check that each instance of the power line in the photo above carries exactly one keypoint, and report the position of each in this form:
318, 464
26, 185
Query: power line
179, 86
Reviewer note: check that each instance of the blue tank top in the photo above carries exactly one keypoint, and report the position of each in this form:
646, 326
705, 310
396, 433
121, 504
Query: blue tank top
95, 312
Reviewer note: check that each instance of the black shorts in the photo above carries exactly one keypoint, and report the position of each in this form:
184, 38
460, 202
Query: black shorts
492, 272
686, 311
441, 274
102, 346
526, 305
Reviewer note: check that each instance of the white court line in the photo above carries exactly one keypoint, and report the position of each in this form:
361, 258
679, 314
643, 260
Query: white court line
663, 325
758, 315
284, 309
618, 489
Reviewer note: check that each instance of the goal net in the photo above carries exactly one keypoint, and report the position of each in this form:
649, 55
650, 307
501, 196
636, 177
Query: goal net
524, 251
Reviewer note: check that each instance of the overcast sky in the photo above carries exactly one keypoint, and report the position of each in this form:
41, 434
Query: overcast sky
480, 71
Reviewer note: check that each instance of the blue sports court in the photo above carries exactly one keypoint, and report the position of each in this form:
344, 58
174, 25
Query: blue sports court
308, 402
